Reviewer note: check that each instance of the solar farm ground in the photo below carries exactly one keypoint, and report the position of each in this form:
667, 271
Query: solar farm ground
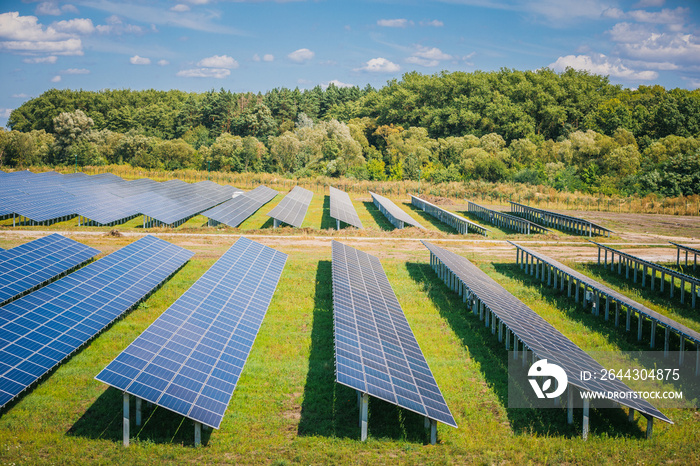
287, 409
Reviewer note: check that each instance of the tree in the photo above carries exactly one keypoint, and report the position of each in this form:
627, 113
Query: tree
68, 129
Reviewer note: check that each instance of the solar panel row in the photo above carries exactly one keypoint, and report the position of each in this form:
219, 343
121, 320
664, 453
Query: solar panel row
25, 267
375, 349
41, 329
577, 279
342, 209
504, 220
535, 333
292, 209
234, 211
397, 216
459, 223
104, 199
190, 359
563, 222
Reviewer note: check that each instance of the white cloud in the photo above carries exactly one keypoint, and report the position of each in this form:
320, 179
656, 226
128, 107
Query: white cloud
5, 112
116, 26
600, 64
268, 57
77, 26
26, 34
394, 23
336, 83
301, 55
56, 79
180, 8
136, 60
218, 61
63, 47
256, 57
434, 23
21, 96
218, 73
682, 49
48, 8
75, 71
380, 65
49, 59
163, 62
68, 8
428, 56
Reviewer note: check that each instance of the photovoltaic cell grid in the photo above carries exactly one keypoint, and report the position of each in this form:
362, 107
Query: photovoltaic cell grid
234, 211
41, 329
535, 332
375, 349
25, 267
190, 359
342, 208
393, 213
292, 209
627, 302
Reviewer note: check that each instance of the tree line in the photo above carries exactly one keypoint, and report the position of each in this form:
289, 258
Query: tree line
572, 131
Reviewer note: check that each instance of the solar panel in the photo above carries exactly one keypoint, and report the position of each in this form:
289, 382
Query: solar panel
619, 297
397, 216
536, 333
342, 209
32, 264
292, 209
457, 222
234, 211
41, 329
190, 359
375, 349
561, 221
504, 220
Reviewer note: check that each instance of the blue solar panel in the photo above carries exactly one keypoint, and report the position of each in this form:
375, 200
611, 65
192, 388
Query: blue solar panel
28, 266
234, 211
190, 359
41, 329
375, 349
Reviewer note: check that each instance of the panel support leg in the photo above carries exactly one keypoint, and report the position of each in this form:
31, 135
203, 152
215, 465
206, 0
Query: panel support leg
586, 417
570, 405
433, 431
197, 434
125, 420
364, 408
650, 427
630, 416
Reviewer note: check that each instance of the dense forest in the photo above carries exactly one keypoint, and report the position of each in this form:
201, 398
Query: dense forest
571, 130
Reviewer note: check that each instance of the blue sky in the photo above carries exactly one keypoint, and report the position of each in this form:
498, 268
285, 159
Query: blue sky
198, 45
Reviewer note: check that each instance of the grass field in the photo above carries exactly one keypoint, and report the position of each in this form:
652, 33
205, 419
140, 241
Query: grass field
287, 408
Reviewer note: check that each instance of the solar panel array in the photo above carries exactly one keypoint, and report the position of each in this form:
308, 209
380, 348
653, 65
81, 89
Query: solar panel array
619, 297
561, 221
292, 209
342, 208
234, 211
32, 264
505, 220
457, 222
397, 216
41, 329
545, 341
191, 358
375, 349
104, 199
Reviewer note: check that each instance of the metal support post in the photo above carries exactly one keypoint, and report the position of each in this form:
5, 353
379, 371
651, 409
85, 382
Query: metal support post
125, 420
364, 408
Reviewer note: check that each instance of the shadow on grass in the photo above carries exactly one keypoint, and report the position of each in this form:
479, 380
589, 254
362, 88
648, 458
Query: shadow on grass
659, 298
326, 220
492, 358
330, 409
103, 421
378, 217
430, 219
268, 223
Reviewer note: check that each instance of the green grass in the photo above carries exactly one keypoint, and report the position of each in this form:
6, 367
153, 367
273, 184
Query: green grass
287, 408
